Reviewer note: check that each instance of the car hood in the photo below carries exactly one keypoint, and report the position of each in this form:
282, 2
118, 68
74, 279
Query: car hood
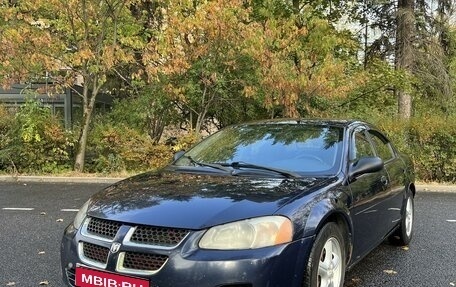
195, 201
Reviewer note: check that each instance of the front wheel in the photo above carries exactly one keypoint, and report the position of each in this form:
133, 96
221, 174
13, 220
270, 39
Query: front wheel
326, 266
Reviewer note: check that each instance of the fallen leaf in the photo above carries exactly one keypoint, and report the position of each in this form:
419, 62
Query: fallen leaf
59, 220
41, 253
43, 213
45, 282
390, 272
406, 248
11, 284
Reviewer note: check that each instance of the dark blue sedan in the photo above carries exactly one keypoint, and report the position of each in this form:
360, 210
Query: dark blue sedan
280, 203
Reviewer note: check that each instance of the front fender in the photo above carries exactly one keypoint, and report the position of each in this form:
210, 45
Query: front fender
328, 209
331, 210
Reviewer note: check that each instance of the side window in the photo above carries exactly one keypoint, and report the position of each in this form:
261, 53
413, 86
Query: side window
382, 146
361, 147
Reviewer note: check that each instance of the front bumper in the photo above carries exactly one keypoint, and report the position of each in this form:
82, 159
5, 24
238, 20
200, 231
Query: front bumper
187, 265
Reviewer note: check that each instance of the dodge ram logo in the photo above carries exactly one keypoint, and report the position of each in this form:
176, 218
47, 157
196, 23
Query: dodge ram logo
115, 247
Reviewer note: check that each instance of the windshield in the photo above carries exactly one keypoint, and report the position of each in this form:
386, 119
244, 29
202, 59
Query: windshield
310, 149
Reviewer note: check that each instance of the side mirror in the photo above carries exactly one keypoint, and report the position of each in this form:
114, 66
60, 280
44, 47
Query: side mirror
365, 165
178, 155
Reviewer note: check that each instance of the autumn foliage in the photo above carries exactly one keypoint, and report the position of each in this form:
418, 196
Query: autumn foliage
293, 62
186, 67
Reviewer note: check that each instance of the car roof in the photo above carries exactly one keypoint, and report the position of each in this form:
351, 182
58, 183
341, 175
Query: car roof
329, 122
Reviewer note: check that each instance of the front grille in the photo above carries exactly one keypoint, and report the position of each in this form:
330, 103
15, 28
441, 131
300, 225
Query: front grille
103, 228
158, 236
95, 253
71, 276
144, 261
142, 237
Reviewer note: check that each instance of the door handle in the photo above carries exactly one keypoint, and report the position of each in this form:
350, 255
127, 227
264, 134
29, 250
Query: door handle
384, 180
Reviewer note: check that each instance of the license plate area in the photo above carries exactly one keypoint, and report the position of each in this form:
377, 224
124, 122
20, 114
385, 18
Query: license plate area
88, 277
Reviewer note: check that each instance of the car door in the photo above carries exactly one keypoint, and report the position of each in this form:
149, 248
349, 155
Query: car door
368, 191
394, 167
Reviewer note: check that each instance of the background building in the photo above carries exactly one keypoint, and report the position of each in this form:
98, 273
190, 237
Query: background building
66, 104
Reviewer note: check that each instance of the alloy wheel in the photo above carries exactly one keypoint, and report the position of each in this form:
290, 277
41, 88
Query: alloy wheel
409, 217
330, 264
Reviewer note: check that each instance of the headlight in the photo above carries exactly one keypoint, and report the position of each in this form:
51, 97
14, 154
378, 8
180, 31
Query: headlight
249, 234
80, 216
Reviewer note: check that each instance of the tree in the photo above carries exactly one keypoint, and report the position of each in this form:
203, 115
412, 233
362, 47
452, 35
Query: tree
377, 28
415, 35
278, 54
431, 69
86, 39
303, 57
148, 111
405, 51
200, 48
394, 23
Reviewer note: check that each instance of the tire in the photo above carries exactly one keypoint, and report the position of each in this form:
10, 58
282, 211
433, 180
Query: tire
404, 233
323, 270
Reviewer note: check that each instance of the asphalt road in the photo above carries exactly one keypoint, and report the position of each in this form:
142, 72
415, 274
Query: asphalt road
30, 239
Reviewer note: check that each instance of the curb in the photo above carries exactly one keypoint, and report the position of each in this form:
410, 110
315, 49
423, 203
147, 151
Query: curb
435, 188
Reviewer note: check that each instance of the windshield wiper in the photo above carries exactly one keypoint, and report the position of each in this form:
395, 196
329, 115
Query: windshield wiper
241, 164
213, 165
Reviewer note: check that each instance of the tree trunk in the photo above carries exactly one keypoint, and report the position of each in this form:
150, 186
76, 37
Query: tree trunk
156, 126
88, 105
206, 102
404, 50
296, 4
443, 24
